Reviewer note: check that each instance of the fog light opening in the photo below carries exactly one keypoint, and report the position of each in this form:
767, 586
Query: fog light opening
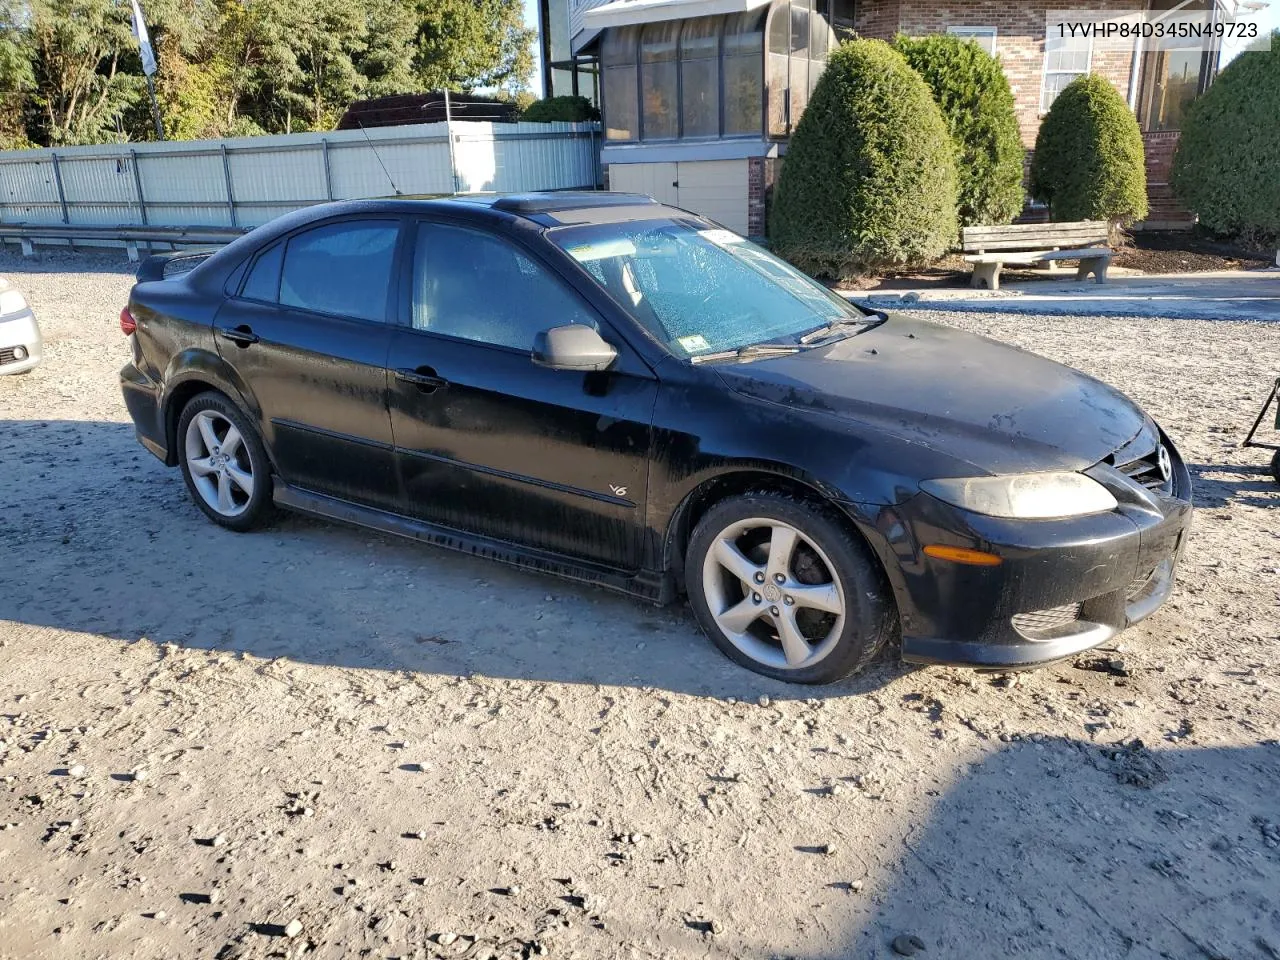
19, 353
973, 558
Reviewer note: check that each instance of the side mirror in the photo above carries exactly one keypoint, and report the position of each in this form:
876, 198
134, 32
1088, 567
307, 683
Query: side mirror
574, 346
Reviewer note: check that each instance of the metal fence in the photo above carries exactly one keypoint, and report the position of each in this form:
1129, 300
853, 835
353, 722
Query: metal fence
248, 181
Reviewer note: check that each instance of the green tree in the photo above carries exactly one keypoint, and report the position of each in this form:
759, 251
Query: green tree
1227, 168
16, 76
977, 104
567, 109
869, 180
463, 44
70, 71
81, 52
1089, 162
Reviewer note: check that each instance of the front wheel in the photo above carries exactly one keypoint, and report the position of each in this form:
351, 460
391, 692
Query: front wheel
224, 463
784, 589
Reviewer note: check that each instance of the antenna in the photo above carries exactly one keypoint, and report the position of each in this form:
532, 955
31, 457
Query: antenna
379, 159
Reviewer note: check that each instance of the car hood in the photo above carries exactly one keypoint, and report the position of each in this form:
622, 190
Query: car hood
995, 406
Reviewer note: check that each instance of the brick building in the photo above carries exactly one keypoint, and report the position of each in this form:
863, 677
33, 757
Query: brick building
699, 96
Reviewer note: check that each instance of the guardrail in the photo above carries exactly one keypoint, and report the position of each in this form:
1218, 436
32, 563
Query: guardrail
131, 235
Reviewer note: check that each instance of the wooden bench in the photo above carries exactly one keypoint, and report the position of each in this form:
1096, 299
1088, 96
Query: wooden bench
990, 248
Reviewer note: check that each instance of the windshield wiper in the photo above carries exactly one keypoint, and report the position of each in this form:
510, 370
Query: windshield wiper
749, 352
866, 323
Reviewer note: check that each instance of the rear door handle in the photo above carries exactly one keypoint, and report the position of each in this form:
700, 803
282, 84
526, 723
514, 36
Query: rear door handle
424, 378
241, 336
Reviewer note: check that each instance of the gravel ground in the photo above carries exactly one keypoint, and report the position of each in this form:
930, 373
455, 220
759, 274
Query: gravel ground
317, 740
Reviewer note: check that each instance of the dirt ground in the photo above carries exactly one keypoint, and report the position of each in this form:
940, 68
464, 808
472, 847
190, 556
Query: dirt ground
315, 740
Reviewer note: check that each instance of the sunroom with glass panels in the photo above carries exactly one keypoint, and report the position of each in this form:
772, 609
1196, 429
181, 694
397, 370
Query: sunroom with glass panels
741, 75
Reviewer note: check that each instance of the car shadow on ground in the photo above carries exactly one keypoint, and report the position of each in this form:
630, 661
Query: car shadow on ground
1067, 849
1217, 485
102, 538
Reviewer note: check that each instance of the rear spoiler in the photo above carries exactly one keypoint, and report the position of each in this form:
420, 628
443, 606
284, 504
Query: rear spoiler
162, 266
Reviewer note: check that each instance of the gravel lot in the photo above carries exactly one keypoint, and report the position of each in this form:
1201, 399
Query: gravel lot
317, 740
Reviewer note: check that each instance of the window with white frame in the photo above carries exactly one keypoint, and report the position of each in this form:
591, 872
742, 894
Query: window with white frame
1065, 59
985, 37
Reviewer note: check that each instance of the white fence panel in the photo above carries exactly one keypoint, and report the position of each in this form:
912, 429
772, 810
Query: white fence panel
248, 181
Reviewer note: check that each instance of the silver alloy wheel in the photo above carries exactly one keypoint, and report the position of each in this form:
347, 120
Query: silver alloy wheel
779, 619
219, 462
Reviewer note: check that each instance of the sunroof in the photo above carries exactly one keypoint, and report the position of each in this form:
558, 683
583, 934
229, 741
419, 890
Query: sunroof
575, 200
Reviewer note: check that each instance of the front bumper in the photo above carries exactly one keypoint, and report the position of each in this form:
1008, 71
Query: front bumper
1063, 586
20, 334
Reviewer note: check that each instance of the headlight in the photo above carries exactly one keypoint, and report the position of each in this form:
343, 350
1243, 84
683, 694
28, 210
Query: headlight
11, 301
1029, 496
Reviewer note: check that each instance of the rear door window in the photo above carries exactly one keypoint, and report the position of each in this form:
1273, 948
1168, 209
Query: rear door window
341, 268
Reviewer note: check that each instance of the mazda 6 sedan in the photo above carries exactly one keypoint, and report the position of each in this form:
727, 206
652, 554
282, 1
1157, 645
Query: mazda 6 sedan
623, 393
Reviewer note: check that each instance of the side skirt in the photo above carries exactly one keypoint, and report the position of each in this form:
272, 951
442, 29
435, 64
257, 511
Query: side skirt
646, 585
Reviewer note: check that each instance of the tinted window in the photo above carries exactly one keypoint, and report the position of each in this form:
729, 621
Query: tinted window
472, 285
263, 282
342, 268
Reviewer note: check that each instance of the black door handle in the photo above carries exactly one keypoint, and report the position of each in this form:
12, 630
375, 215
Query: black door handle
241, 336
424, 378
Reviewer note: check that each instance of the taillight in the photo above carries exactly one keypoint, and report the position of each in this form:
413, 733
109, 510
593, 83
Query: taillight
127, 324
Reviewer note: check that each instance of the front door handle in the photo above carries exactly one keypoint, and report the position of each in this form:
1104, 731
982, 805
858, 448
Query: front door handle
241, 336
424, 378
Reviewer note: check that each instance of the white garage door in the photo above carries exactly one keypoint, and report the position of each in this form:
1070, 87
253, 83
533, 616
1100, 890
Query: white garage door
714, 188
657, 180
717, 189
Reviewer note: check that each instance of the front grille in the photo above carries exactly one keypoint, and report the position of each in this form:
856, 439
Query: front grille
1039, 622
7, 355
1146, 470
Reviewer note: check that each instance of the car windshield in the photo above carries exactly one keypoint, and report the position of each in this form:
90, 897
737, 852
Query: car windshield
702, 290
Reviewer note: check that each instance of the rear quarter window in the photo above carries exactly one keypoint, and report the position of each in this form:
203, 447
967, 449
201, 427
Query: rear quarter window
263, 282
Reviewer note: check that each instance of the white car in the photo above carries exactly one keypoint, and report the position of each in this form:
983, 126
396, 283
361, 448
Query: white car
21, 346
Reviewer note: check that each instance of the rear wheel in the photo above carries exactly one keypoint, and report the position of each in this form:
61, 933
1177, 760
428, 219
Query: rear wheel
786, 590
224, 463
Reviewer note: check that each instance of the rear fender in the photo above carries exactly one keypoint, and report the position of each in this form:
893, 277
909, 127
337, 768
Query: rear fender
193, 371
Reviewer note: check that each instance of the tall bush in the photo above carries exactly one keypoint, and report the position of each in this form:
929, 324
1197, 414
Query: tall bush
568, 109
1227, 168
977, 104
1089, 162
869, 179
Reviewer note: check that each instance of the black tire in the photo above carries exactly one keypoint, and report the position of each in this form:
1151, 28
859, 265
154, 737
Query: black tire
870, 616
1275, 466
255, 509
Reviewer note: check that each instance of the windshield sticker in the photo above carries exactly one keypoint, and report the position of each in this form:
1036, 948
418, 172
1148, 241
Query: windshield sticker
720, 237
694, 344
603, 250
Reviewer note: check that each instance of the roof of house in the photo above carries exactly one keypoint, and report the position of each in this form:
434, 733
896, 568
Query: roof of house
621, 13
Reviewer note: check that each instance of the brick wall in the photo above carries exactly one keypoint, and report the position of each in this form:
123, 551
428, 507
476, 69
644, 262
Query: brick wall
878, 18
762, 173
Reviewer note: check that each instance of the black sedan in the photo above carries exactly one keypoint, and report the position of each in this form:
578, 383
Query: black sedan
620, 392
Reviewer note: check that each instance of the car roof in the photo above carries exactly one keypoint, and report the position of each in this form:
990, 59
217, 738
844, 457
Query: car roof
548, 210
554, 208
